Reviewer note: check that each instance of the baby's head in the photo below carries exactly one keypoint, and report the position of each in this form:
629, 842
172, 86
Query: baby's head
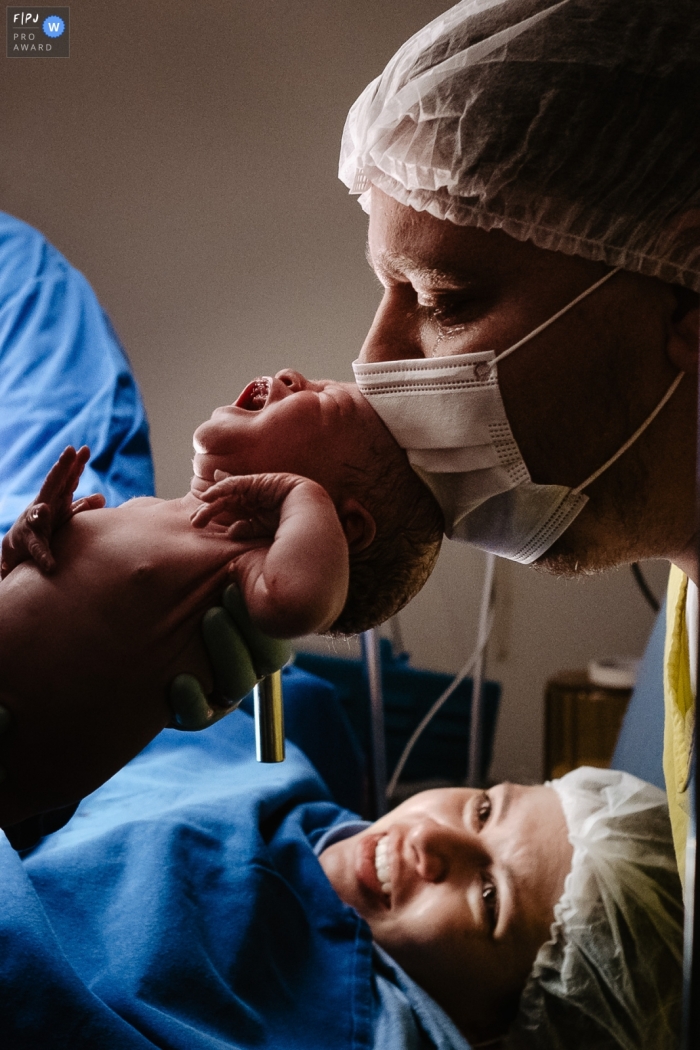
538, 917
328, 432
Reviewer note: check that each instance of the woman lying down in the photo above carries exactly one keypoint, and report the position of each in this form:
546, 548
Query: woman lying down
199, 900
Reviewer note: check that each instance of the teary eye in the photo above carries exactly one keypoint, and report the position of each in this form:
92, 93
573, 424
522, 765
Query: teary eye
483, 810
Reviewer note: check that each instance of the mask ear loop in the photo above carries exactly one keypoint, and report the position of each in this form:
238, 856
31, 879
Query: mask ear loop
650, 418
551, 320
630, 441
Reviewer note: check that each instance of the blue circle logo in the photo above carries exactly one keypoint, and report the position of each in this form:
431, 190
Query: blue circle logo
53, 26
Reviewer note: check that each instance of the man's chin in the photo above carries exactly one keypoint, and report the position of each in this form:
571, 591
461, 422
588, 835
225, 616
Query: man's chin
571, 559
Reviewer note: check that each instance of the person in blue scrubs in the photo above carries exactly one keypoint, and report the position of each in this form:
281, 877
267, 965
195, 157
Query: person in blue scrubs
64, 380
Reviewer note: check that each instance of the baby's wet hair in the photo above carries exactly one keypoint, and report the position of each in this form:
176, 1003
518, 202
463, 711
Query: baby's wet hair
393, 568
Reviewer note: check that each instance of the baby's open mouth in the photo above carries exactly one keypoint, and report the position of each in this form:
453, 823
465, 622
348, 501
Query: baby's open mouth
255, 395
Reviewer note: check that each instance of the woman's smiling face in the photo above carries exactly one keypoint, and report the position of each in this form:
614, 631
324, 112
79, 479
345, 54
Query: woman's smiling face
459, 886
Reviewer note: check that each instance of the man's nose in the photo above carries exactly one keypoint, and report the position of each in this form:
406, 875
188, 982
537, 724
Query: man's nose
395, 331
438, 849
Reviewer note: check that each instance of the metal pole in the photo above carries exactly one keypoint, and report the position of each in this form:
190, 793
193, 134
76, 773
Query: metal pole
476, 726
373, 671
269, 719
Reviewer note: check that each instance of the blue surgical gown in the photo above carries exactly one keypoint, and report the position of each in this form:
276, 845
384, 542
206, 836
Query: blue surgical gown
64, 380
183, 907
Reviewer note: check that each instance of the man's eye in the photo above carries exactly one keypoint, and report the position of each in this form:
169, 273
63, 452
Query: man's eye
483, 810
448, 314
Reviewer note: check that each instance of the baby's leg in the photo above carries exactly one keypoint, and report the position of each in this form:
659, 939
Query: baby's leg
294, 575
30, 536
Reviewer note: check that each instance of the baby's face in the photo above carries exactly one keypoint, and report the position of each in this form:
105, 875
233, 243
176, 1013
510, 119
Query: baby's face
320, 429
459, 886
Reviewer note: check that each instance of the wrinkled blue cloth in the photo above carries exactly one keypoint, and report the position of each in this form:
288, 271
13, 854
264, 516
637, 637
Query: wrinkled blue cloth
64, 379
183, 907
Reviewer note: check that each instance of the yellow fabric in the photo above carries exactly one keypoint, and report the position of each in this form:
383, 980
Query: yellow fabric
679, 717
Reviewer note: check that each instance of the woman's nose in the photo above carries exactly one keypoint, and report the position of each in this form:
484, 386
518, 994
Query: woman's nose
438, 849
293, 380
395, 334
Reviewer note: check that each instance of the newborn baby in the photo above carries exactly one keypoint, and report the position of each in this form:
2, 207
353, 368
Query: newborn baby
119, 617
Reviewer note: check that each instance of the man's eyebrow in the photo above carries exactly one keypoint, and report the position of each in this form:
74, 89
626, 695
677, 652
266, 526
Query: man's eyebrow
506, 800
398, 265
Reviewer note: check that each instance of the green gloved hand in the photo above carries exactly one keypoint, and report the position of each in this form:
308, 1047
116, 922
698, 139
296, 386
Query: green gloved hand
240, 654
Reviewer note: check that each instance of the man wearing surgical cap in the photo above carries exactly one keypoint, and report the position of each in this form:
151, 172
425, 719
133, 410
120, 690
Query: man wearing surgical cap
532, 174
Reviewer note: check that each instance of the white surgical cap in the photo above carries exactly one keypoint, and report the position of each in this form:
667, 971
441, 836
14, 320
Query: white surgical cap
611, 975
572, 124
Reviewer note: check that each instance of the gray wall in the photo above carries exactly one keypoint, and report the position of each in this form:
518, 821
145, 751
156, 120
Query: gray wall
185, 159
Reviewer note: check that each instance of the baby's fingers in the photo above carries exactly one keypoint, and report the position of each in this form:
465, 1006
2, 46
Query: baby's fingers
40, 553
29, 538
94, 502
225, 485
203, 515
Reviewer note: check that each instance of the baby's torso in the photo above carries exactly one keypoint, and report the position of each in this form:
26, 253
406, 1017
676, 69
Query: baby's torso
136, 575
101, 639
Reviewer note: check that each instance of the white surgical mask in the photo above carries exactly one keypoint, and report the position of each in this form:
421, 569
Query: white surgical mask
448, 414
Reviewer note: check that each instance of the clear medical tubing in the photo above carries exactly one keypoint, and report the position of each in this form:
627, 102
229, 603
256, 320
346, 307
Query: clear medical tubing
476, 728
373, 670
571, 124
482, 635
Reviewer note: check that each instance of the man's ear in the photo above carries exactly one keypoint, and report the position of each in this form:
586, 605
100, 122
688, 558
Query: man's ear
358, 525
682, 345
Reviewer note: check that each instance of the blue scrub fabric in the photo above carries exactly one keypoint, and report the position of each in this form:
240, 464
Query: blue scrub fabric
183, 907
64, 379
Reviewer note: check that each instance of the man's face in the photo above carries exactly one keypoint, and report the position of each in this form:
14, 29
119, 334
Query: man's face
575, 393
322, 430
459, 886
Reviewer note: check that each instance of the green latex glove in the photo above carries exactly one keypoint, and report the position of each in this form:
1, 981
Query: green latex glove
240, 654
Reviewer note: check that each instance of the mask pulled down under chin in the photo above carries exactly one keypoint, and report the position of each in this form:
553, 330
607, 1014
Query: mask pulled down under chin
448, 414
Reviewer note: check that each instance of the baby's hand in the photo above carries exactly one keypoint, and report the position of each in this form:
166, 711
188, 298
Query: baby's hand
249, 505
292, 562
30, 536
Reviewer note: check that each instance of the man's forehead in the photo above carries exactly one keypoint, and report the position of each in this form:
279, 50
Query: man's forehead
406, 244
432, 250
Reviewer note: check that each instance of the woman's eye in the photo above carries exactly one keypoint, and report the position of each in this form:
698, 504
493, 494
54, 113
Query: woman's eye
483, 810
490, 897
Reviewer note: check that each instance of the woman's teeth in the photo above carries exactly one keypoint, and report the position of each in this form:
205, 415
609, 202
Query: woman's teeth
381, 864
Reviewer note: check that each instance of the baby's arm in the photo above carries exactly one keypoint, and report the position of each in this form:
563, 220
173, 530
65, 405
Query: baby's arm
29, 539
294, 575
